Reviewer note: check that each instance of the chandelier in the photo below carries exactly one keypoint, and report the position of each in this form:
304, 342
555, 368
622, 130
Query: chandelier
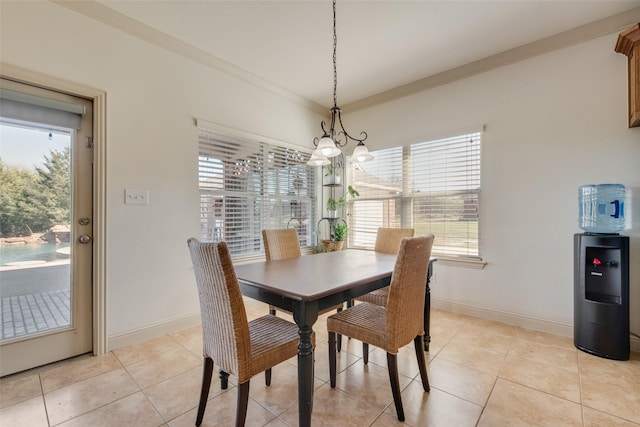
332, 140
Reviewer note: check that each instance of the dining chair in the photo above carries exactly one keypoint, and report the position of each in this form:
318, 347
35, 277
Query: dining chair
396, 324
240, 347
282, 244
387, 242
388, 239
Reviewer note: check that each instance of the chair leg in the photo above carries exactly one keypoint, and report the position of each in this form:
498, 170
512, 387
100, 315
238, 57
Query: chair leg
224, 379
332, 359
339, 337
392, 364
207, 373
365, 352
243, 402
267, 377
419, 345
350, 304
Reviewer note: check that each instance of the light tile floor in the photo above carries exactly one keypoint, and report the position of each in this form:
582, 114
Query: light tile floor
482, 373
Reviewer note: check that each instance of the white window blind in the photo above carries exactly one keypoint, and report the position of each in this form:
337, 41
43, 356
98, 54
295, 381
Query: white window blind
432, 186
247, 186
32, 108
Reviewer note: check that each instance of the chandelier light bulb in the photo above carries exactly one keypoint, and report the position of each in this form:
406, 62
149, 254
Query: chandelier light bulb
318, 159
361, 154
327, 147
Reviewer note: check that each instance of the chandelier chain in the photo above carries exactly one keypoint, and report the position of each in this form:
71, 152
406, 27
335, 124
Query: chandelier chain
331, 141
335, 70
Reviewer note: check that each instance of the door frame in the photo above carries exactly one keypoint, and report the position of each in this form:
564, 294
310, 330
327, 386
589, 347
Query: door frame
99, 98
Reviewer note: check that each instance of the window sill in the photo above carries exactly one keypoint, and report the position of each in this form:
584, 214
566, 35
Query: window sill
477, 264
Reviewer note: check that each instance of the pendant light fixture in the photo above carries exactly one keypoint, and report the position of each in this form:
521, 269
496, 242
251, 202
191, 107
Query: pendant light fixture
332, 140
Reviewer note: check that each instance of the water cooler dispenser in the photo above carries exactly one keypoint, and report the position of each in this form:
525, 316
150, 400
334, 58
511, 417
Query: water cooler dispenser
601, 274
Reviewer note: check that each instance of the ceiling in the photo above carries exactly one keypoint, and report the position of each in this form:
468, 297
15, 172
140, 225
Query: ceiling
287, 46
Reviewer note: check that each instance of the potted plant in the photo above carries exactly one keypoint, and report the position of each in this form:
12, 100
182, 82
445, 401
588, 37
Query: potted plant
333, 204
338, 234
333, 178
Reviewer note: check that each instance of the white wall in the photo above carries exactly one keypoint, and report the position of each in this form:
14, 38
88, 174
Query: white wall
153, 97
553, 123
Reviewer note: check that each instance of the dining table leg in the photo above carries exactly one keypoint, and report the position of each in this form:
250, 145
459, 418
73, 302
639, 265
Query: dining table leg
305, 315
427, 309
427, 318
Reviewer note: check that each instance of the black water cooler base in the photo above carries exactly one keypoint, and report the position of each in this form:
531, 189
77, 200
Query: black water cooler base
601, 295
603, 355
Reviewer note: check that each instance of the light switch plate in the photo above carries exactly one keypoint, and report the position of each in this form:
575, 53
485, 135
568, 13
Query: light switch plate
136, 197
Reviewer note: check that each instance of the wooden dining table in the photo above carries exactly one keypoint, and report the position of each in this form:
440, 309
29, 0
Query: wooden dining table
309, 284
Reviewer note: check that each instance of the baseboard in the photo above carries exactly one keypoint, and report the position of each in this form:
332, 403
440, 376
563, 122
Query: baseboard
140, 335
528, 322
566, 330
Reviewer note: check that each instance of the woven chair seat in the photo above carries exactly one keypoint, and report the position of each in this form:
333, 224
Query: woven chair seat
272, 340
377, 297
365, 321
325, 311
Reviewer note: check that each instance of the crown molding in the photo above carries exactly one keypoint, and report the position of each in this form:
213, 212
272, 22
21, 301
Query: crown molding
602, 27
101, 13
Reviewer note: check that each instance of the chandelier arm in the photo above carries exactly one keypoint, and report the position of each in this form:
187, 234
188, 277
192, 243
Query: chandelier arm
325, 131
363, 134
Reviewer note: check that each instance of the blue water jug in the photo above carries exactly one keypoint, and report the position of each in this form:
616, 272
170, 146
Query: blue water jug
601, 208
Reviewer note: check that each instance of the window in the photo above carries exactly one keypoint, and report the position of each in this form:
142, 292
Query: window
248, 185
432, 186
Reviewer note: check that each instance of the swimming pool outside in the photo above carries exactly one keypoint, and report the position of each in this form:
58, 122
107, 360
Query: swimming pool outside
13, 254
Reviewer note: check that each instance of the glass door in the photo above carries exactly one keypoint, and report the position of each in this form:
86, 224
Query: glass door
45, 226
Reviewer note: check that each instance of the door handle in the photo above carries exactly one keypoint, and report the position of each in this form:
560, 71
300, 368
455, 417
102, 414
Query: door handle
85, 238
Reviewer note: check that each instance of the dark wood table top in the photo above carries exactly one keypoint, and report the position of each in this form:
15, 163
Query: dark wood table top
313, 277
